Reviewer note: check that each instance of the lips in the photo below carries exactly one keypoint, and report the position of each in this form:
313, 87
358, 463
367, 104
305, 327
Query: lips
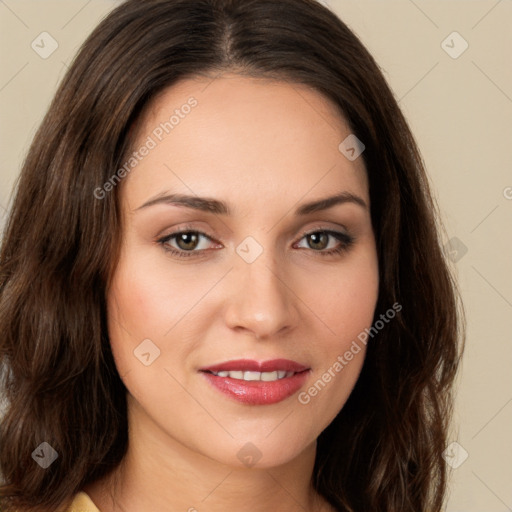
257, 383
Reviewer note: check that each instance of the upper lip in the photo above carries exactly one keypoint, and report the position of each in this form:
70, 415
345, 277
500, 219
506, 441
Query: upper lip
255, 366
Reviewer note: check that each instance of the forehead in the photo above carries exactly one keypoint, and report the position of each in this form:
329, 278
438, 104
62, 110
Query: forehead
245, 138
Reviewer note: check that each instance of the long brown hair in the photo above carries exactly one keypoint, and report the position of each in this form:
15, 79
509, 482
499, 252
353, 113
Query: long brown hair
383, 451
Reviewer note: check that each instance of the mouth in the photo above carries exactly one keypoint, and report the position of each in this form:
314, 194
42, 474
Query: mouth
254, 376
254, 383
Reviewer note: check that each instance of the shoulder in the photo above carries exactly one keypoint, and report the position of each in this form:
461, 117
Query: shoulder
82, 503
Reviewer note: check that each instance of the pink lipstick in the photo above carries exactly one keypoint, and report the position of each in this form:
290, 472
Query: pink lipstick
257, 383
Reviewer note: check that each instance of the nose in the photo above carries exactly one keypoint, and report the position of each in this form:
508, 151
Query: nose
261, 301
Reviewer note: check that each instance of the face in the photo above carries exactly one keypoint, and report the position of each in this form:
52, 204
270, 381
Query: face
232, 313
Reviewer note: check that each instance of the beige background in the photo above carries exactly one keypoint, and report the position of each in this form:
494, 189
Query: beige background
460, 110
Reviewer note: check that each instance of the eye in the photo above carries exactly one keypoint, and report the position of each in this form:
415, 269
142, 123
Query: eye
187, 242
319, 241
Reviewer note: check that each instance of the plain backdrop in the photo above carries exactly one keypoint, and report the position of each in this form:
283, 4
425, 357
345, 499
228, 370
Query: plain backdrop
456, 92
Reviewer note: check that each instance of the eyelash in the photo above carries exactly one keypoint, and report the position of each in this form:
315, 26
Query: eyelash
346, 242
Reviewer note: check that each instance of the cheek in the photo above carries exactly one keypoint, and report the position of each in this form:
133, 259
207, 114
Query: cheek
135, 311
344, 297
345, 303
146, 299
354, 298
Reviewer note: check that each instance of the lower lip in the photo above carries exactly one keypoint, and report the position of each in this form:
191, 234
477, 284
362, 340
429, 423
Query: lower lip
256, 392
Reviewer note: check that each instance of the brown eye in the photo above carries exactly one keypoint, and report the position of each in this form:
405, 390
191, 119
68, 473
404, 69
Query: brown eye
318, 240
187, 240
186, 243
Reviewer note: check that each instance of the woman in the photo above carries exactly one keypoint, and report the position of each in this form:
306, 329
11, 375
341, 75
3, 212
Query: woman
222, 286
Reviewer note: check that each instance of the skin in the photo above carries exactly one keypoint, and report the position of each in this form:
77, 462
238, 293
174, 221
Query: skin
264, 147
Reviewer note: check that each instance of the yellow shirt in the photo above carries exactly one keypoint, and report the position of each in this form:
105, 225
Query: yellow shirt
82, 503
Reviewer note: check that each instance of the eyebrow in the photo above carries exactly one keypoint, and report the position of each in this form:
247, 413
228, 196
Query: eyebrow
215, 206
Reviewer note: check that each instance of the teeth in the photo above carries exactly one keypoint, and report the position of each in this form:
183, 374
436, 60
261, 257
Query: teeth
252, 376
248, 376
